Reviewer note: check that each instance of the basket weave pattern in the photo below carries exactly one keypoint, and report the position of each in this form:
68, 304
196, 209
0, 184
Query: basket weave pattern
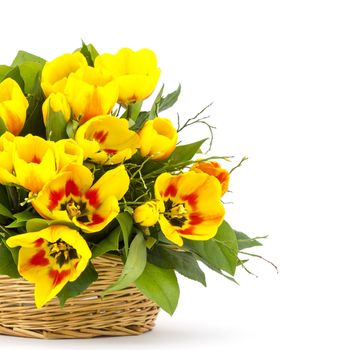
125, 312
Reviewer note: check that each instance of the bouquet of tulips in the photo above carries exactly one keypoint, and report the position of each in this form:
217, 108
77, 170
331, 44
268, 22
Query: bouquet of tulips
85, 171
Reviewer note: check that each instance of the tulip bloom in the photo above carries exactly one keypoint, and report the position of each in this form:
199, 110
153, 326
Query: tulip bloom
146, 214
55, 73
56, 102
136, 72
214, 169
158, 138
67, 151
91, 92
71, 197
6, 159
13, 106
107, 140
50, 258
34, 162
189, 205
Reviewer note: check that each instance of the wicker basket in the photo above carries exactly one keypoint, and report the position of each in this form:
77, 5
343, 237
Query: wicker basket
125, 312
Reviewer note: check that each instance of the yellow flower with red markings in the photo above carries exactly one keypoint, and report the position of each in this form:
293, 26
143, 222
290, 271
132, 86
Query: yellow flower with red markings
107, 140
56, 103
6, 159
67, 151
136, 72
13, 106
34, 162
147, 214
50, 258
55, 73
214, 169
189, 205
158, 138
71, 196
91, 92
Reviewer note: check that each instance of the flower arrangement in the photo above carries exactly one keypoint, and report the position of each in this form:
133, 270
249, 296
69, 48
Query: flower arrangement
85, 171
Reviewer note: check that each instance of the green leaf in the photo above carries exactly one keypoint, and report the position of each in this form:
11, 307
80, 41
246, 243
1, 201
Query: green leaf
72, 289
3, 71
133, 110
93, 51
7, 264
141, 119
182, 262
36, 224
219, 252
161, 286
134, 265
126, 223
29, 71
245, 242
23, 56
15, 74
3, 128
5, 212
56, 126
111, 242
169, 100
34, 122
21, 219
155, 107
184, 153
87, 54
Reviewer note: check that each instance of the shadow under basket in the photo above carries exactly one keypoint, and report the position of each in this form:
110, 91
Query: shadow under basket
124, 312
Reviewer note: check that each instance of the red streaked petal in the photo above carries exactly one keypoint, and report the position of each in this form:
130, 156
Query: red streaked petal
39, 259
72, 188
100, 136
92, 197
195, 219
96, 219
191, 199
39, 242
186, 231
59, 276
170, 191
55, 198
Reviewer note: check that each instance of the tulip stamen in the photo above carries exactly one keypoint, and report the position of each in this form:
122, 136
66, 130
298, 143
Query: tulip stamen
73, 209
175, 213
62, 252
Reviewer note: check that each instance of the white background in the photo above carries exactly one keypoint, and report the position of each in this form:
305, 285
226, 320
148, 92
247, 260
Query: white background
279, 75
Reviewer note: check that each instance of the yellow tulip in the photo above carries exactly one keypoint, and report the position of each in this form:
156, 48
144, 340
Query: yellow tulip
72, 197
56, 102
146, 214
55, 73
107, 140
50, 258
34, 162
158, 138
189, 206
137, 73
67, 151
91, 92
214, 169
6, 159
13, 106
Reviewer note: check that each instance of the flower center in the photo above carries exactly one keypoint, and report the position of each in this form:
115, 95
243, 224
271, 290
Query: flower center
73, 209
175, 213
62, 252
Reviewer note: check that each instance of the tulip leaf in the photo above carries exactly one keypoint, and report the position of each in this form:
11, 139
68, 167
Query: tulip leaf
134, 265
110, 243
28, 71
7, 264
72, 289
21, 219
184, 153
245, 242
169, 100
5, 212
56, 126
3, 71
3, 128
155, 107
87, 54
36, 224
161, 286
15, 74
219, 252
23, 56
183, 262
126, 223
34, 122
